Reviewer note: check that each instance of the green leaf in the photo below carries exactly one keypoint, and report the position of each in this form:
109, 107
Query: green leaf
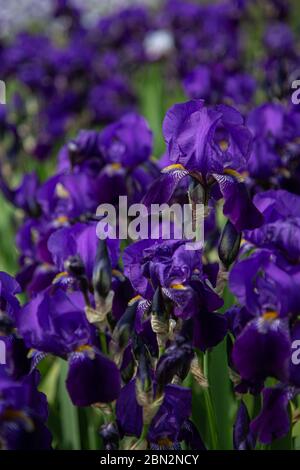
49, 383
221, 394
68, 413
199, 411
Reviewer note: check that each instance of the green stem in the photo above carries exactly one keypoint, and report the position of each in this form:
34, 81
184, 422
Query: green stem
210, 409
103, 343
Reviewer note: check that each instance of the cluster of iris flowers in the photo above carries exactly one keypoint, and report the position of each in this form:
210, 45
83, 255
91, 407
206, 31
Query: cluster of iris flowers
163, 347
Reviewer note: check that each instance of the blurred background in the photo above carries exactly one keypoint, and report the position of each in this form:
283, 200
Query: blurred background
82, 64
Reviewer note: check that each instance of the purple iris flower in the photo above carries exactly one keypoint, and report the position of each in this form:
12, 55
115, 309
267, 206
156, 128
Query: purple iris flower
150, 264
211, 145
201, 28
62, 200
175, 409
23, 413
167, 265
127, 142
266, 283
240, 88
263, 282
281, 230
117, 157
198, 83
124, 26
268, 289
263, 349
8, 290
167, 423
273, 422
213, 83
111, 99
126, 147
83, 152
267, 125
17, 363
281, 59
79, 239
91, 167
54, 322
67, 195
279, 40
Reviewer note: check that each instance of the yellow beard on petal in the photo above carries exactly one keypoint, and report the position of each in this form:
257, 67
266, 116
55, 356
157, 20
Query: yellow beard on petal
164, 442
269, 316
234, 173
134, 299
174, 166
178, 286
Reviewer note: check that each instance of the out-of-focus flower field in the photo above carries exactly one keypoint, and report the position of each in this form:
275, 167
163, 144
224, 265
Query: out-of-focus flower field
128, 344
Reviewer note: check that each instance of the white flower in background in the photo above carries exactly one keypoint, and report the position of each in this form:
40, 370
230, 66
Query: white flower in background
2, 92
158, 44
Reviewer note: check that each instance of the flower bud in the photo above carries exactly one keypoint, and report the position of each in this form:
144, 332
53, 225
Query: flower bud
128, 371
160, 319
158, 305
74, 265
124, 328
174, 362
229, 244
197, 192
143, 359
102, 272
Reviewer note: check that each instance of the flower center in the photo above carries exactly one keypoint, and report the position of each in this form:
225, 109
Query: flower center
134, 299
60, 276
84, 347
177, 286
270, 316
62, 219
224, 145
116, 166
61, 191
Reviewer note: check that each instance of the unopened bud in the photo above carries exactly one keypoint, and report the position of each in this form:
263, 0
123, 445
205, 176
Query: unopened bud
124, 328
158, 305
174, 362
159, 319
143, 359
74, 265
102, 271
229, 244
